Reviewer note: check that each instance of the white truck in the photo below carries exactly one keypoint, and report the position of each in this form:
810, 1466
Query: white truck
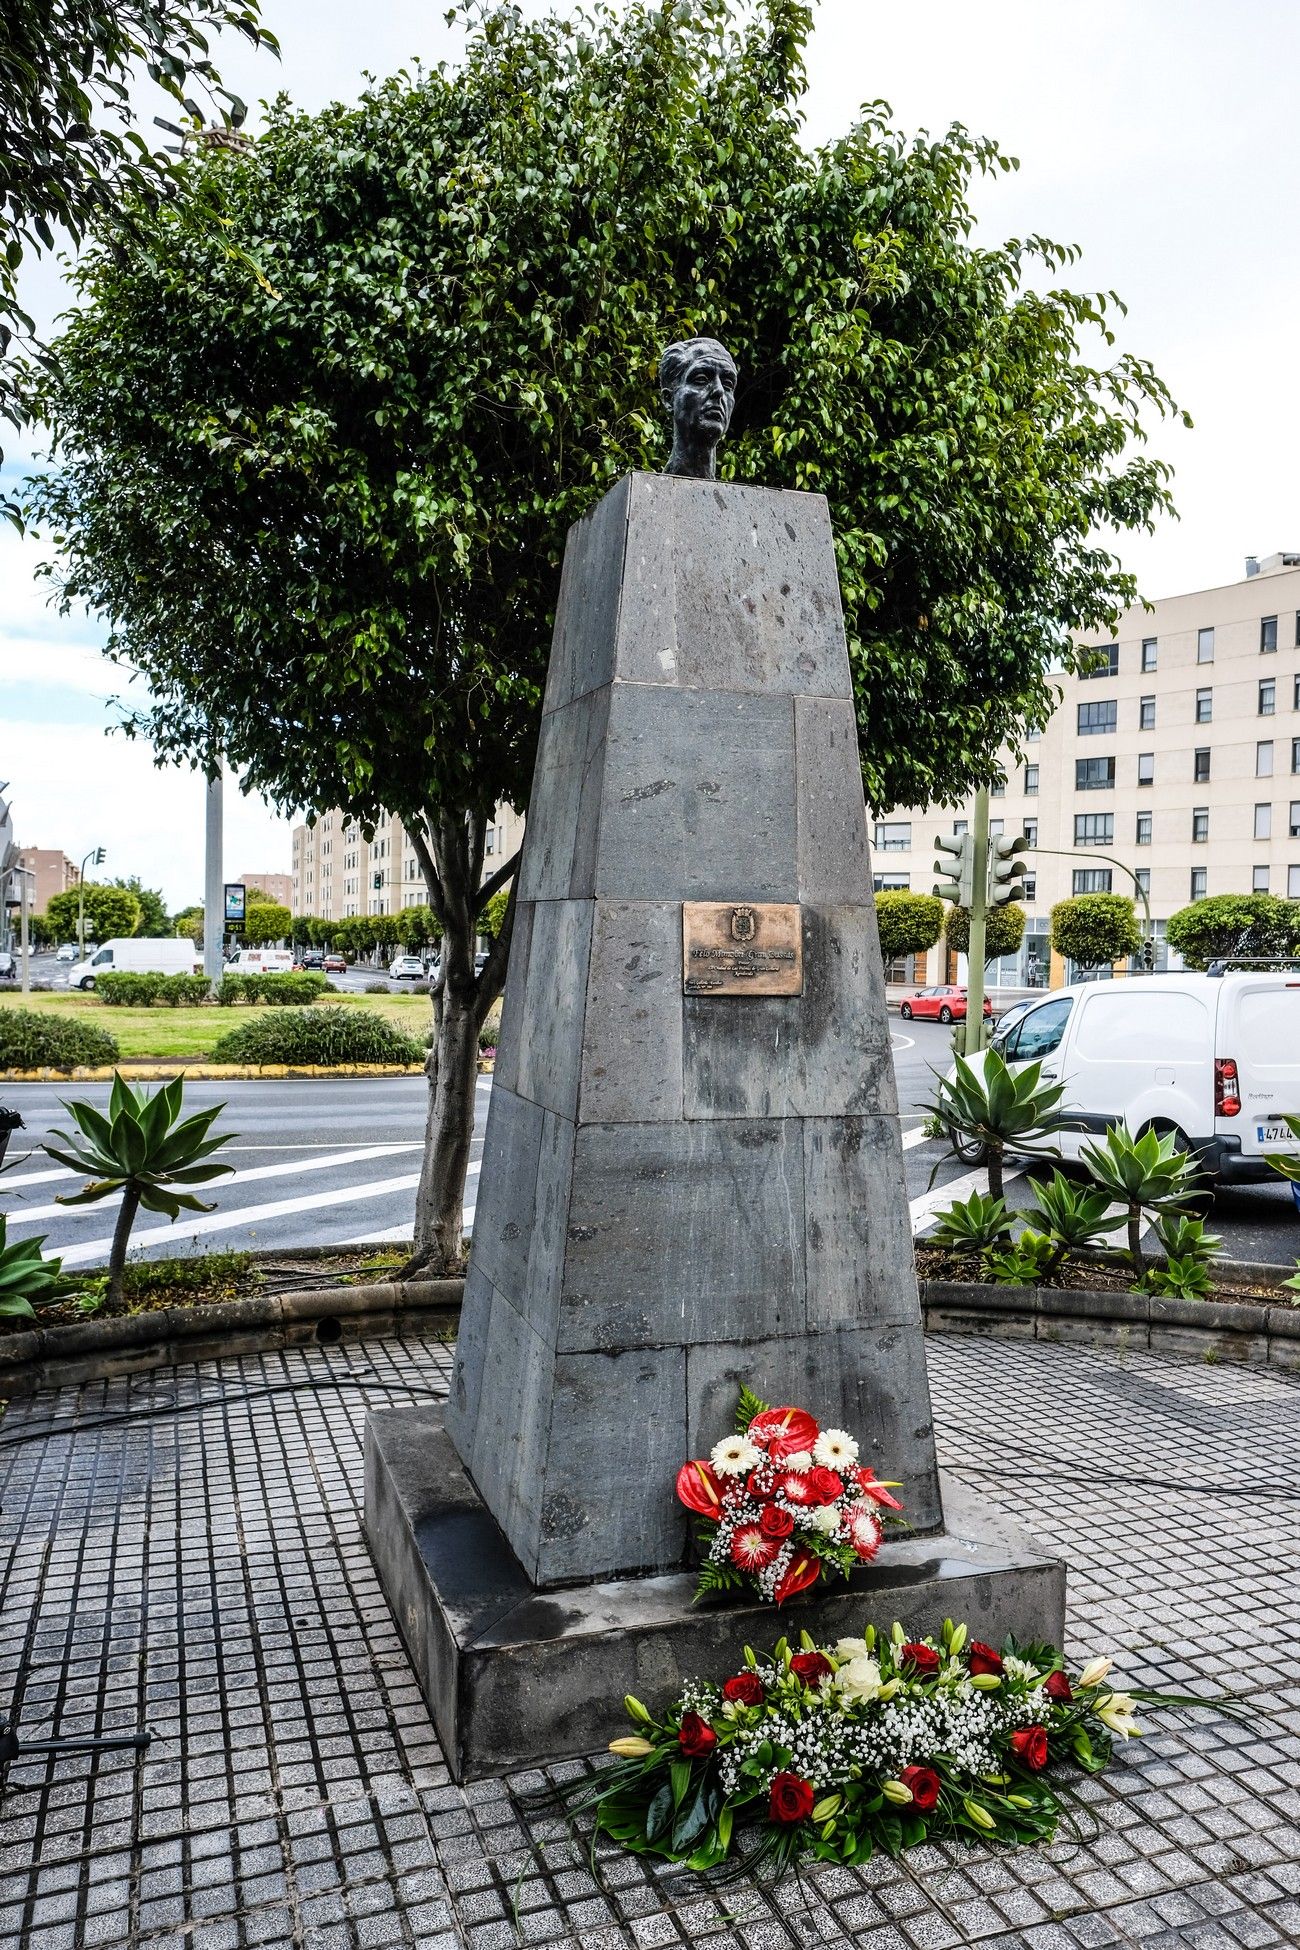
1214, 1059
261, 961
139, 954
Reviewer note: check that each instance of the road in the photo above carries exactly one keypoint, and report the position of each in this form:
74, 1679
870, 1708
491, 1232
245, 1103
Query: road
319, 1163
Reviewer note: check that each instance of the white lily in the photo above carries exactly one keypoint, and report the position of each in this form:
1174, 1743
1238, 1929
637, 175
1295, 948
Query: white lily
1095, 1672
1115, 1710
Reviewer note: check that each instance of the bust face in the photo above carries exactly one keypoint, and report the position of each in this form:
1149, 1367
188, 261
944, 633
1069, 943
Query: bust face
703, 398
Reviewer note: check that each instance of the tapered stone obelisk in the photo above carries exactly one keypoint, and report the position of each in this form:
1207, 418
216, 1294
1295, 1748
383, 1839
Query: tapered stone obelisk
692, 1174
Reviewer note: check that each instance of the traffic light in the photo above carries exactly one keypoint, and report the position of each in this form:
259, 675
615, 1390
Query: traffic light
1006, 871
957, 883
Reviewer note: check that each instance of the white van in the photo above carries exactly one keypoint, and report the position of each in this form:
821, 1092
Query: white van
173, 954
1213, 1058
261, 961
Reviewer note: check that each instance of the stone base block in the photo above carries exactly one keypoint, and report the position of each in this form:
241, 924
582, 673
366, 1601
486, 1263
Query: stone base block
514, 1677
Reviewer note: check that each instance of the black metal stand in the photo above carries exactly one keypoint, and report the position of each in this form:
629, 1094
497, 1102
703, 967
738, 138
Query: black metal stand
12, 1748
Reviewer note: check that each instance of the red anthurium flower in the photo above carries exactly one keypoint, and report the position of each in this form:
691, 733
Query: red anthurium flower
699, 1489
867, 1484
1029, 1744
805, 1569
751, 1550
925, 1785
1058, 1687
783, 1431
982, 1658
791, 1798
746, 1688
696, 1738
825, 1485
776, 1522
920, 1659
811, 1667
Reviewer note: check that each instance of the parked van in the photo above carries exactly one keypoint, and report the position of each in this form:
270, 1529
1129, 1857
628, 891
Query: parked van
172, 954
261, 961
1214, 1059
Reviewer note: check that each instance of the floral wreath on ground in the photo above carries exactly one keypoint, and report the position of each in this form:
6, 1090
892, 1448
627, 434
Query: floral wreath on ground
785, 1502
837, 1752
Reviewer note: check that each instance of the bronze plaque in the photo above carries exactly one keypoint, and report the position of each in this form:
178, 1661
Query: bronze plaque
741, 948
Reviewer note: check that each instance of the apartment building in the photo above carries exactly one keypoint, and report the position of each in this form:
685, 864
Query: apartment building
276, 886
1179, 755
54, 874
338, 873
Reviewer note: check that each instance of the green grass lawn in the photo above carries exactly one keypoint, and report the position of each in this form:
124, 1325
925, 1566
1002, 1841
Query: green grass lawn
192, 1032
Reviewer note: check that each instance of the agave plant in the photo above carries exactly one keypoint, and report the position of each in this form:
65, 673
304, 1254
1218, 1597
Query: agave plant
1143, 1174
1180, 1279
24, 1275
141, 1150
1031, 1261
1184, 1238
1002, 1109
1076, 1215
972, 1225
1287, 1163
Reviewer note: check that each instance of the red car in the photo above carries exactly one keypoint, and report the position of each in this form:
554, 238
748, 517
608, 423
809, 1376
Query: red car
947, 1003
335, 965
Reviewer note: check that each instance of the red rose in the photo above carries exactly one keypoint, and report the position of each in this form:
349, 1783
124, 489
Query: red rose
811, 1667
696, 1737
746, 1689
791, 1798
1029, 1744
925, 1784
920, 1659
699, 1489
982, 1658
776, 1522
783, 1431
751, 1550
805, 1569
1058, 1687
761, 1483
824, 1485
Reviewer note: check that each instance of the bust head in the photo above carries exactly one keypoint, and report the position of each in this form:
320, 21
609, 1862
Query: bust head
697, 383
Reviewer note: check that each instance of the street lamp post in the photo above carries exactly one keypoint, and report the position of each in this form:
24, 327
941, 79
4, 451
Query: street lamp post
24, 875
94, 858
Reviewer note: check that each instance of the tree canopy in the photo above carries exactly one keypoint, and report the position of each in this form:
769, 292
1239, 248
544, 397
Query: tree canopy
909, 924
266, 921
1252, 927
1004, 930
110, 912
1093, 930
153, 908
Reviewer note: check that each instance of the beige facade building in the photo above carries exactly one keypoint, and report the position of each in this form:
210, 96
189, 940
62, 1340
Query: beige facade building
338, 873
1180, 756
54, 872
276, 886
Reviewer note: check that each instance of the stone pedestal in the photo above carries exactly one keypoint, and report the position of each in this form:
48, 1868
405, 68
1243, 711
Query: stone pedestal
692, 1173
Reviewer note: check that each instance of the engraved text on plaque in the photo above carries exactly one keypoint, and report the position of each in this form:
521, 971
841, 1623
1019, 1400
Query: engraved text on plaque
741, 948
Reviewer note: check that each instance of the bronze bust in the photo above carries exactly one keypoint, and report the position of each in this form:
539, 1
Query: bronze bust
697, 383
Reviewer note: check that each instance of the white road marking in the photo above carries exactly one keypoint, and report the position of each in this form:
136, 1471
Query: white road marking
9, 1184
900, 1041
912, 1138
923, 1209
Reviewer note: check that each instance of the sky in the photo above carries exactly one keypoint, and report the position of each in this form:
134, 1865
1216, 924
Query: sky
1160, 136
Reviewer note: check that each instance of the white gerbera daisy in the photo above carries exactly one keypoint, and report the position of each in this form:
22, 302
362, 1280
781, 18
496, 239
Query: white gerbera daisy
825, 1518
735, 1455
800, 1462
835, 1449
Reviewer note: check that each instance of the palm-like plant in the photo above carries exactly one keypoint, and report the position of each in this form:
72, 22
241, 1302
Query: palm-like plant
24, 1275
1002, 1109
1075, 1214
141, 1151
1143, 1174
971, 1225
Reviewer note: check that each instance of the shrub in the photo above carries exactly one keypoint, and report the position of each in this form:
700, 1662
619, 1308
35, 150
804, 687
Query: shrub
1095, 929
185, 991
329, 1035
1246, 926
909, 924
141, 989
1004, 930
376, 988
282, 988
30, 1040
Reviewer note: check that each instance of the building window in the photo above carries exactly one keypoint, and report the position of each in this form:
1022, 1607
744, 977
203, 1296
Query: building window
1295, 695
998, 790
1259, 881
1293, 883
1144, 829
1297, 627
890, 883
1295, 754
1103, 661
1267, 698
1200, 825
1264, 757
490, 843
1029, 827
1092, 880
893, 836
1094, 829
1293, 821
1094, 774
1146, 714
1263, 821
1205, 646
1201, 764
1149, 647
995, 827
959, 826
1143, 877
1033, 734
1146, 768
1030, 885
1204, 706
1267, 634
1198, 883
1100, 717
1031, 780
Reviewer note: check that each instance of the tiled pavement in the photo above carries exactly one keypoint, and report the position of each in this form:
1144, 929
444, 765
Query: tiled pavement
204, 1570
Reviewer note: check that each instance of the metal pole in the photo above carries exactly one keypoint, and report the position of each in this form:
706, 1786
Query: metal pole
214, 929
975, 948
22, 881
1090, 853
81, 905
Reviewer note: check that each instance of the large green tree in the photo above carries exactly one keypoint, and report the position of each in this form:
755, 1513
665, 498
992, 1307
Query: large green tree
1240, 927
109, 912
1095, 929
153, 908
324, 506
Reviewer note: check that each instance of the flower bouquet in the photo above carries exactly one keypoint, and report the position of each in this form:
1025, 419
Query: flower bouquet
784, 1502
836, 1752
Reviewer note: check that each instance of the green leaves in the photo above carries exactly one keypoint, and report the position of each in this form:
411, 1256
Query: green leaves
1094, 929
1149, 1173
1245, 927
1076, 1215
25, 1277
972, 1225
1002, 1106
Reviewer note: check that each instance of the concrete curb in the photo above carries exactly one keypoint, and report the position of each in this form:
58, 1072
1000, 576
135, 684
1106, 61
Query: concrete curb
148, 1070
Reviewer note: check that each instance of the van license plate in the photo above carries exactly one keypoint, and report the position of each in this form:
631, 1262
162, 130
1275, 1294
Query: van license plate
1275, 1134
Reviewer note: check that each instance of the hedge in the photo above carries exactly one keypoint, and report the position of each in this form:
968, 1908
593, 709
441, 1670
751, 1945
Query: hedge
30, 1040
284, 989
329, 1035
142, 989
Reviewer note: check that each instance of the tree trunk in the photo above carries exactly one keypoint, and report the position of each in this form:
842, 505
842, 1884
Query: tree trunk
121, 1240
995, 1170
452, 1070
1135, 1243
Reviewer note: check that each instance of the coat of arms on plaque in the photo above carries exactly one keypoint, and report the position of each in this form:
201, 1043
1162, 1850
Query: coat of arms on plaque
742, 948
744, 924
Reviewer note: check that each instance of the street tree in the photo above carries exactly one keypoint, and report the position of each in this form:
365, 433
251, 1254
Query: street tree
323, 503
265, 922
1004, 930
1241, 927
109, 912
909, 924
153, 908
1093, 930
